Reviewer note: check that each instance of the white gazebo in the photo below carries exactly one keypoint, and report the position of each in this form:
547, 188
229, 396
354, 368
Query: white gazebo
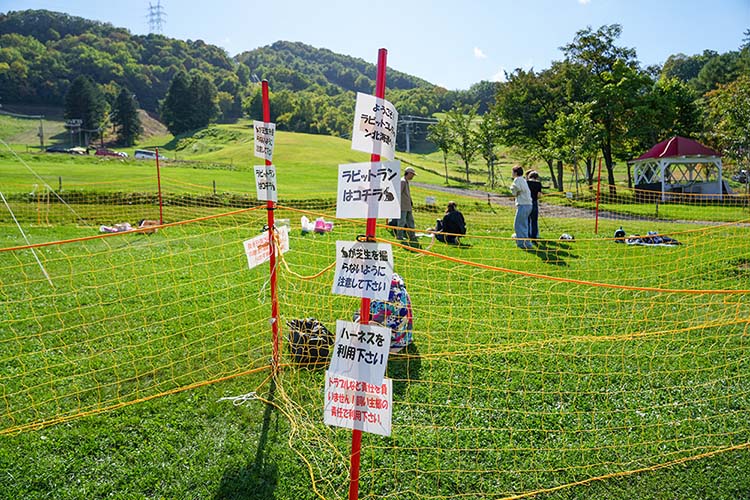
679, 165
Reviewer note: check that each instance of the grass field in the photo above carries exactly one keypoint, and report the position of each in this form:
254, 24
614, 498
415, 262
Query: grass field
531, 372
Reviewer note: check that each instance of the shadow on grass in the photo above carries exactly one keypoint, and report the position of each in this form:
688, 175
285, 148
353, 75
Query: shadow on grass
553, 252
256, 480
404, 368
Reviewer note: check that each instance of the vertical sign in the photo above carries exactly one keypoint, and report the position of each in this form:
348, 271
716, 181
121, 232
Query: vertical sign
264, 137
369, 190
375, 121
357, 405
265, 182
363, 270
360, 352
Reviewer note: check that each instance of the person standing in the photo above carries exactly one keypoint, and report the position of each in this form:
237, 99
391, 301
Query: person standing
407, 215
535, 187
520, 189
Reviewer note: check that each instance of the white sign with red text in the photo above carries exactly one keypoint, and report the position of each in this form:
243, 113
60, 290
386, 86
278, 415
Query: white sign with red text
353, 404
360, 351
264, 137
375, 121
258, 250
369, 190
363, 269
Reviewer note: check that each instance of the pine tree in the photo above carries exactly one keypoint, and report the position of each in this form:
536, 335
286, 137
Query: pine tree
85, 101
126, 118
176, 111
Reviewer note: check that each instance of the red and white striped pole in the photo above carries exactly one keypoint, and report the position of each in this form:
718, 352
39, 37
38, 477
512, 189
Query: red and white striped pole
364, 312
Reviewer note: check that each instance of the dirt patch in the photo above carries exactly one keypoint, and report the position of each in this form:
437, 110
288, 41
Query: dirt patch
151, 125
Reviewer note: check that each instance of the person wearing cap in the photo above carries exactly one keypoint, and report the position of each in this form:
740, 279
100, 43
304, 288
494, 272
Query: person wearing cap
407, 216
520, 189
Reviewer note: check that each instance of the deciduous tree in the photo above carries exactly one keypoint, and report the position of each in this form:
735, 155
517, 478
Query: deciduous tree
464, 138
441, 136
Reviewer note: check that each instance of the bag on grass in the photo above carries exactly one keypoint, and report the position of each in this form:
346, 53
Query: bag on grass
309, 341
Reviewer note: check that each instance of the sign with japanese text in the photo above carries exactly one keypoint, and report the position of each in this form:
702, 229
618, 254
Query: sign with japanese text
258, 250
360, 351
363, 269
353, 404
265, 182
264, 136
369, 190
375, 123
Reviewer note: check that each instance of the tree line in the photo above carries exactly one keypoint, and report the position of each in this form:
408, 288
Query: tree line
599, 101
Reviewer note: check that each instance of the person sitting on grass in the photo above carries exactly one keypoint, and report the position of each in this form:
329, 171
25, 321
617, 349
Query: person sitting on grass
452, 225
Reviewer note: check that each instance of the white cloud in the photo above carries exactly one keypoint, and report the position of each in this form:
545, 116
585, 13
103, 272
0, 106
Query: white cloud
584, 2
478, 54
499, 76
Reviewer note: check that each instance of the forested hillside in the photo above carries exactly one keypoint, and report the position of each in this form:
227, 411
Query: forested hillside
312, 89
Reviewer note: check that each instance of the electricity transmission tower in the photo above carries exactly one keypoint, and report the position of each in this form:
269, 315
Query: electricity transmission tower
156, 17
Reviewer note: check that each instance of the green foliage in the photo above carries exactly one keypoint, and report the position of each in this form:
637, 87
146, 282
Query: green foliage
85, 101
728, 116
191, 103
441, 135
125, 118
464, 142
49, 49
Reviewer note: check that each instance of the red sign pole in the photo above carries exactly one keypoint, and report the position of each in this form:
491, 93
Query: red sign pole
270, 207
158, 186
364, 313
598, 195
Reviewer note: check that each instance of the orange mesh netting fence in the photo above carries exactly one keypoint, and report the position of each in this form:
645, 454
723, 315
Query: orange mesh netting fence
529, 371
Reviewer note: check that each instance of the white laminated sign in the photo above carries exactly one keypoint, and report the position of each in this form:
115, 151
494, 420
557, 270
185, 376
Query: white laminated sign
264, 137
360, 351
265, 182
375, 122
363, 269
354, 404
369, 190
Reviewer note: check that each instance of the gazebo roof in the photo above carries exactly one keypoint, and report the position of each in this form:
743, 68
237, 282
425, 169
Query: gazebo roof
678, 146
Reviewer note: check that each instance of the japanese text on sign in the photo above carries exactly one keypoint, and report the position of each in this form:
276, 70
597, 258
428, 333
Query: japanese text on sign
264, 136
363, 269
258, 250
369, 190
360, 351
375, 122
353, 404
265, 182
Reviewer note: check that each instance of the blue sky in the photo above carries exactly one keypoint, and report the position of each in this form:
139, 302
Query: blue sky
453, 43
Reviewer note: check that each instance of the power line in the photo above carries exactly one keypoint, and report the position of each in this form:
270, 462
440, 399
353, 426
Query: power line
156, 17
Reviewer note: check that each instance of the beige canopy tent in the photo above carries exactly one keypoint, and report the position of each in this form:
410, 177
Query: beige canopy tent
679, 165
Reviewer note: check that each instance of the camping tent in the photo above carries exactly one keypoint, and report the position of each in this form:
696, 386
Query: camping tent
679, 165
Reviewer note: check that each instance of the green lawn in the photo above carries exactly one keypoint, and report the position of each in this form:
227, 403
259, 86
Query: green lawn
531, 372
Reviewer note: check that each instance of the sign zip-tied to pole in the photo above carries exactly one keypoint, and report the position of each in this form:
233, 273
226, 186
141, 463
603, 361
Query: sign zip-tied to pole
364, 313
265, 180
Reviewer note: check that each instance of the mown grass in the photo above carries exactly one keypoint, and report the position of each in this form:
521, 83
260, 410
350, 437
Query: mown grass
531, 385
515, 383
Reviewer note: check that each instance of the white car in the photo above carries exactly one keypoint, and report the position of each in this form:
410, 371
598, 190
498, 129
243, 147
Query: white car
146, 154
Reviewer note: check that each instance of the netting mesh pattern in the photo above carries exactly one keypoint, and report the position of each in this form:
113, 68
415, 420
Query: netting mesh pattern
519, 382
528, 371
